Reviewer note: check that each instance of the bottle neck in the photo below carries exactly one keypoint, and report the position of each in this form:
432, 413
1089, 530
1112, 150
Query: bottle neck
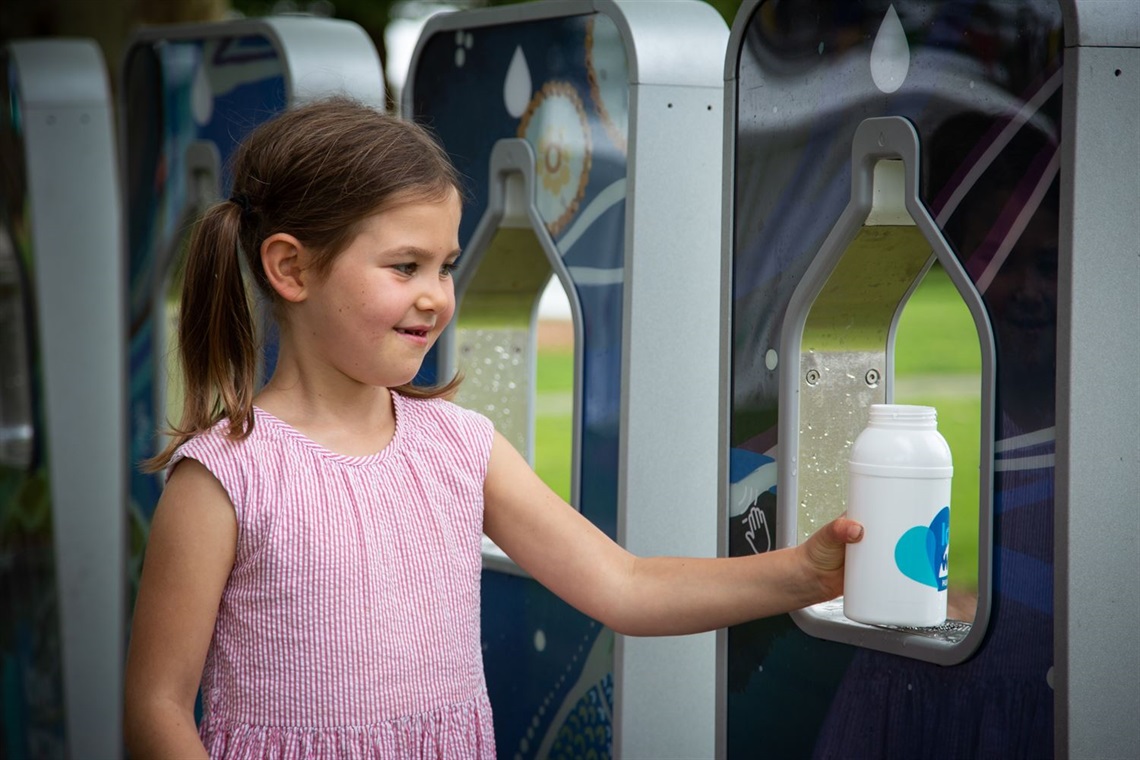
903, 416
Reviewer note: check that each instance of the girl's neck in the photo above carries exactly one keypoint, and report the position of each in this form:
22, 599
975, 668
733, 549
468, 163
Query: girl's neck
357, 423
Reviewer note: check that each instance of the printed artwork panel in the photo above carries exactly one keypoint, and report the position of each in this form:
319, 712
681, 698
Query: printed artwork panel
981, 82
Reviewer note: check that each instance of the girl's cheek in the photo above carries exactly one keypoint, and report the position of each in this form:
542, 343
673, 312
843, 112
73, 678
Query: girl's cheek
446, 316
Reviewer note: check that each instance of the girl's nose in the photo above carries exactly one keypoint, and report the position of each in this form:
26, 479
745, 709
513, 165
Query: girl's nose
435, 294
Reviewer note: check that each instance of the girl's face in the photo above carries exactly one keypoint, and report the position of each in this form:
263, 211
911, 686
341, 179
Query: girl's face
388, 295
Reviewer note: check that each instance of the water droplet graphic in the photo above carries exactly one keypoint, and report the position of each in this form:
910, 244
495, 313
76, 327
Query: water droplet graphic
517, 87
201, 97
890, 54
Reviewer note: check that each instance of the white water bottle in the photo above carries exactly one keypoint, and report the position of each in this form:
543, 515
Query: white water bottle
899, 489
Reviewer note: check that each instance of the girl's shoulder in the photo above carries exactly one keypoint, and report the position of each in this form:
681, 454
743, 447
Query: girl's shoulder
219, 450
439, 422
233, 461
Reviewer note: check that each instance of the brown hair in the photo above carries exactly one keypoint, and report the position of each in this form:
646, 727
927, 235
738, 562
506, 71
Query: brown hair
317, 172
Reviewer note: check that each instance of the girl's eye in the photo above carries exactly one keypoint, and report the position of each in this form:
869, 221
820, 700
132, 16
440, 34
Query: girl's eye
408, 268
448, 269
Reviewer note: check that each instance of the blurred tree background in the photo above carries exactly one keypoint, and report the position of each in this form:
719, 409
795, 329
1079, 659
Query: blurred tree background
111, 22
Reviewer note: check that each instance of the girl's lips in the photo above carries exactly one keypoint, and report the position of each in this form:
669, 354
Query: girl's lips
416, 334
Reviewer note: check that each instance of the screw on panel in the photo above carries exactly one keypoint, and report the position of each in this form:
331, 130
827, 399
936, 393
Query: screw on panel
872, 377
812, 376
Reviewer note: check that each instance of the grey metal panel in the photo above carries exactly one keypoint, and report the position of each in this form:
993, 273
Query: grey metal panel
76, 224
1097, 566
668, 468
666, 687
724, 383
1101, 23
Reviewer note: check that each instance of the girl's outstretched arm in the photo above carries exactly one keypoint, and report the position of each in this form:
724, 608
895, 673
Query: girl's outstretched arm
651, 596
189, 556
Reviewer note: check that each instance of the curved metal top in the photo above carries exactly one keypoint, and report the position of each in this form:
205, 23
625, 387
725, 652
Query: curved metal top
60, 72
736, 37
322, 56
1101, 23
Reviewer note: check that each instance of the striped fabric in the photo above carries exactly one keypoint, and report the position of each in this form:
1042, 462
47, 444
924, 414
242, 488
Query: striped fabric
349, 626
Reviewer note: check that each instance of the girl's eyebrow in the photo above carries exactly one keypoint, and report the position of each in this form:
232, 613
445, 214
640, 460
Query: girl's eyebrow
420, 253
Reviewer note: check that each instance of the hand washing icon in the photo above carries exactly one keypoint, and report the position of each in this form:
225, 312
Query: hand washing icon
921, 553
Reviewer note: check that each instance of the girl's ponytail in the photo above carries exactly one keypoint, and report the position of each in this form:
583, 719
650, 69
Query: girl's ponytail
217, 339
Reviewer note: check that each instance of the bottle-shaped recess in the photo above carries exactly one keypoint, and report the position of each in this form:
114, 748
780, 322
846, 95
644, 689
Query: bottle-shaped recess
899, 489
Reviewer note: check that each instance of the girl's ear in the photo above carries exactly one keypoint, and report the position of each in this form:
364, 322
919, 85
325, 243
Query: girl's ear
285, 260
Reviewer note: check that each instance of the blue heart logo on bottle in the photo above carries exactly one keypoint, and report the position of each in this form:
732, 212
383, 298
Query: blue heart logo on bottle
922, 553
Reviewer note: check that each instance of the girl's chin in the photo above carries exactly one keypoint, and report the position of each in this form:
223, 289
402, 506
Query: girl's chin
403, 379
387, 378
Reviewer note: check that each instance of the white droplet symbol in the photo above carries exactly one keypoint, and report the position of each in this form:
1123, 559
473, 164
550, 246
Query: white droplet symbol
890, 55
517, 87
201, 97
463, 42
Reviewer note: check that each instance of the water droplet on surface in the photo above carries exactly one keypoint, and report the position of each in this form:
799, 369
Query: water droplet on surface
201, 97
890, 54
517, 87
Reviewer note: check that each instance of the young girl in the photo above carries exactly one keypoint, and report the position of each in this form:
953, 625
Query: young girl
314, 562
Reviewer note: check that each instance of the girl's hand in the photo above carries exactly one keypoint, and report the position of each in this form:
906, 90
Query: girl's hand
822, 555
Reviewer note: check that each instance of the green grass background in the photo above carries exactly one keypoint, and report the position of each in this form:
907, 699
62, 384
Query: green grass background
937, 363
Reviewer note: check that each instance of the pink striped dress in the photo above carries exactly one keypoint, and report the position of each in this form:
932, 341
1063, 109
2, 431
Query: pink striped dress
349, 626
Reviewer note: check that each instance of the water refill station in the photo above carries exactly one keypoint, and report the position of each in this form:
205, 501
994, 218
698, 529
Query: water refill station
873, 148
590, 132
190, 94
62, 600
